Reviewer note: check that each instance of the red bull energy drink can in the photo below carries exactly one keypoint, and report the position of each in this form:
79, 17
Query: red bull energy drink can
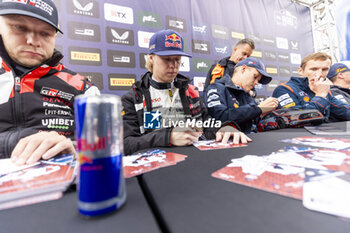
99, 136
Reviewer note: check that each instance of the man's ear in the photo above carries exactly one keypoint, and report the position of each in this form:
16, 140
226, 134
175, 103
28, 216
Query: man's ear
243, 68
151, 58
301, 72
340, 76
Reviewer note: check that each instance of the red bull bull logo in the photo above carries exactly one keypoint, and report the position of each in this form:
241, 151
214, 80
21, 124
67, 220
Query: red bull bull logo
173, 40
84, 159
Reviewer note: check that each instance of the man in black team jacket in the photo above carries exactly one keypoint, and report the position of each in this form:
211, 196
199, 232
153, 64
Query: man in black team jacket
170, 96
36, 91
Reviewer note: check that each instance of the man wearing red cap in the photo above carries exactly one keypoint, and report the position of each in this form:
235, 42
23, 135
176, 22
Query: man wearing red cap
37, 92
163, 108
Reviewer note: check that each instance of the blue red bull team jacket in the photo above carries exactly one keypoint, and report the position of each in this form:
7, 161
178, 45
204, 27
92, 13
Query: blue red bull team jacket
297, 94
227, 101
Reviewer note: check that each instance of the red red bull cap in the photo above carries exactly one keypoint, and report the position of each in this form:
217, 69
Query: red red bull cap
167, 43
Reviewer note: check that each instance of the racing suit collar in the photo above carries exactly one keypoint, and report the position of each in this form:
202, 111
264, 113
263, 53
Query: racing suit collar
159, 85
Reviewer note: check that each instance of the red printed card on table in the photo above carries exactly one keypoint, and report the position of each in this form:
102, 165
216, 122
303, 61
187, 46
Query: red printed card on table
254, 171
148, 161
214, 145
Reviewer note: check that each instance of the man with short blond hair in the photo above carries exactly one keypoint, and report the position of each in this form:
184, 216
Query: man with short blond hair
312, 89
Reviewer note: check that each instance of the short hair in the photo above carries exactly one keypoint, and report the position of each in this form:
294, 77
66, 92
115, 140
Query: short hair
318, 56
247, 41
149, 65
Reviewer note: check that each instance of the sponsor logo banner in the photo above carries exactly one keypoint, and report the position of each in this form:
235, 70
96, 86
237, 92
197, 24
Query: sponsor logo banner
271, 70
237, 35
200, 28
143, 38
119, 36
285, 71
283, 57
199, 82
185, 64
269, 41
84, 56
221, 49
201, 65
220, 32
95, 78
119, 82
85, 8
294, 45
84, 31
121, 59
255, 37
270, 56
149, 19
119, 14
200, 46
282, 43
295, 58
257, 53
177, 24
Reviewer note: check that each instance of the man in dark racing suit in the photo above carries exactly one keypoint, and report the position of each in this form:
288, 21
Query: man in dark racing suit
175, 107
37, 92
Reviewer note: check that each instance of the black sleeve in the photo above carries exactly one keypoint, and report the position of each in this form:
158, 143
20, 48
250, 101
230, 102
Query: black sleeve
133, 139
9, 140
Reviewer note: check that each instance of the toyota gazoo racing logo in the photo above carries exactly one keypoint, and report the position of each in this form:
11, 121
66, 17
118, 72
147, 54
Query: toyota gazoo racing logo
173, 40
56, 93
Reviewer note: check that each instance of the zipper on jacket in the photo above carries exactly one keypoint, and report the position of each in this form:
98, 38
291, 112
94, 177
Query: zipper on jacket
18, 101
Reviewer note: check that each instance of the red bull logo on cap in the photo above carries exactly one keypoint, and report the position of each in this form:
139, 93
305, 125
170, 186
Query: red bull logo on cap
173, 40
340, 70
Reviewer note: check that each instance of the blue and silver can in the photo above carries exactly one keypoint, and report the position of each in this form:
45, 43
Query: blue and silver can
99, 136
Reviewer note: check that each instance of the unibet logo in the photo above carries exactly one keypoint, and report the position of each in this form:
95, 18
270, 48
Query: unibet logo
57, 123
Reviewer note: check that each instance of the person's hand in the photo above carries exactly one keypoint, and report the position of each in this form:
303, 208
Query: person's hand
224, 134
184, 136
268, 105
41, 145
320, 86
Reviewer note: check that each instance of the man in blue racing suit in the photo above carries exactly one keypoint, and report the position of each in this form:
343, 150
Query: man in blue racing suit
312, 89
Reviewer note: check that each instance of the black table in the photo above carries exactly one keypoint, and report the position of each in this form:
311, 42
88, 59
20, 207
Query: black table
61, 216
188, 199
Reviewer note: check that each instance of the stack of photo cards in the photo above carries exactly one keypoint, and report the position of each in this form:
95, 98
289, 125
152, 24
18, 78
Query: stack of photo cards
42, 181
